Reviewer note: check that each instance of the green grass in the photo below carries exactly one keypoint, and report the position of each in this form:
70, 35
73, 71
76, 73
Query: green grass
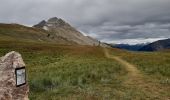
155, 64
79, 72
63, 72
74, 75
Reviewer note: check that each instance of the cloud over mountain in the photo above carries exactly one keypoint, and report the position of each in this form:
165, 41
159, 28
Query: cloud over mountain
106, 20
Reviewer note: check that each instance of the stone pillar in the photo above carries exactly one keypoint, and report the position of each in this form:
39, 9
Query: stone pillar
9, 90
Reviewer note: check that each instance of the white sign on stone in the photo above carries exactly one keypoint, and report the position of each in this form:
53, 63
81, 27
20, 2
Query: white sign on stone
13, 84
20, 76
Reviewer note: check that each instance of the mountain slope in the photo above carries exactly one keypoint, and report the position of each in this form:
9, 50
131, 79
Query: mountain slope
59, 28
54, 30
156, 46
19, 32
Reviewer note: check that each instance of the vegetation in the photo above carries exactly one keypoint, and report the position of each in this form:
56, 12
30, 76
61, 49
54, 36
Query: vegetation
62, 72
83, 72
23, 33
151, 63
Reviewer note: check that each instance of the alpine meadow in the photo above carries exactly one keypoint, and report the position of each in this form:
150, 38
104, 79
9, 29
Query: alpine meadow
85, 50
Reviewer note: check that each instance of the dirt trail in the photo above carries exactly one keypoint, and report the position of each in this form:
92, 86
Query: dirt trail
134, 76
129, 67
136, 79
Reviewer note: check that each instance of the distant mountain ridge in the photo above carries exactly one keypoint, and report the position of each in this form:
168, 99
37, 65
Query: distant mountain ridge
59, 28
135, 47
156, 46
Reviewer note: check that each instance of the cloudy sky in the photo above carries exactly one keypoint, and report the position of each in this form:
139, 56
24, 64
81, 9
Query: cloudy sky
113, 21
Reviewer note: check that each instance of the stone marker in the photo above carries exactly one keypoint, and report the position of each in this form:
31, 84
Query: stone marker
13, 85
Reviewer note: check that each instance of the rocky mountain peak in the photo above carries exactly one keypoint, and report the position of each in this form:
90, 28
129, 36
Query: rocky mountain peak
56, 21
52, 22
41, 24
53, 19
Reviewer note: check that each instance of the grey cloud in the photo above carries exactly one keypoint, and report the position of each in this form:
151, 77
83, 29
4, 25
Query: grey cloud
103, 19
149, 30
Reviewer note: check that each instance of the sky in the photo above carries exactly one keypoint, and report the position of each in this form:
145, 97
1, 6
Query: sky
112, 21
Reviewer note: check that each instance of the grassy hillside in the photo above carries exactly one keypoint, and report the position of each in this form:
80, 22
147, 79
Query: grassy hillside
22, 33
85, 73
58, 72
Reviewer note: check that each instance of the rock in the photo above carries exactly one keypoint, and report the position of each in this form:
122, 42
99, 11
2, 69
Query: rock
53, 19
41, 24
8, 88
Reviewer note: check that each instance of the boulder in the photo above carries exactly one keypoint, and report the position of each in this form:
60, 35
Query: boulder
8, 85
